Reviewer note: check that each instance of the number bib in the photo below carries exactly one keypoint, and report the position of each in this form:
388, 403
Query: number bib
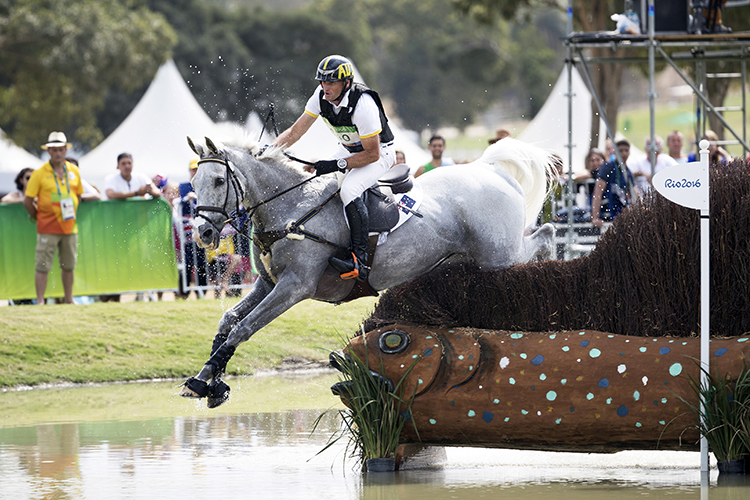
346, 134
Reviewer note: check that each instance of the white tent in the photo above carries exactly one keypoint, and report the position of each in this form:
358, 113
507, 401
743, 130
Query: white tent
155, 132
12, 159
549, 128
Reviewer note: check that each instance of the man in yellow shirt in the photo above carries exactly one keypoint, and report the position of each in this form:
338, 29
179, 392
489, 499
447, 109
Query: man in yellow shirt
57, 187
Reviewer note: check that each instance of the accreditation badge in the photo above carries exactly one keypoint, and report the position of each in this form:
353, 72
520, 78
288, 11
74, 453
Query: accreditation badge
68, 208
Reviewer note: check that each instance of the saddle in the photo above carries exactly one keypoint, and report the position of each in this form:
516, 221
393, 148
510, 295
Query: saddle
382, 210
384, 215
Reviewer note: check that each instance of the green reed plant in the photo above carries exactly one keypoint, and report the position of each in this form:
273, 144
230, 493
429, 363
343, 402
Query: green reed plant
376, 413
722, 413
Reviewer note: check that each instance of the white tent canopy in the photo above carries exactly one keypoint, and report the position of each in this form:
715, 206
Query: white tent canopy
549, 128
12, 159
155, 132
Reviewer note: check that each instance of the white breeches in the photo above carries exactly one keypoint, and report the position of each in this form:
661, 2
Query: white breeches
357, 180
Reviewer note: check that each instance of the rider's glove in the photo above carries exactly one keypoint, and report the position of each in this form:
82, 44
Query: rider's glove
323, 167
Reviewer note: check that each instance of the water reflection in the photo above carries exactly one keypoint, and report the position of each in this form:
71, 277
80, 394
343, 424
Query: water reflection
272, 455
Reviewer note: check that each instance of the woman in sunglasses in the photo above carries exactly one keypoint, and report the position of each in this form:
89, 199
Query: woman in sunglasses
22, 179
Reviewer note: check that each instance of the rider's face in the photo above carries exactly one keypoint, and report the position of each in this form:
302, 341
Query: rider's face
332, 90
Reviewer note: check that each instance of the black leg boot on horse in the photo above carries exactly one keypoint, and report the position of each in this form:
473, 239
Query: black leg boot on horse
355, 265
216, 390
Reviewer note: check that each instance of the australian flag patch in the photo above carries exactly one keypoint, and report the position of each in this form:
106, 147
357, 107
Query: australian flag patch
406, 201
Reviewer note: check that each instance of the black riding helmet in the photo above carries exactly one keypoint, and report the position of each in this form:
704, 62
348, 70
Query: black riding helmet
334, 69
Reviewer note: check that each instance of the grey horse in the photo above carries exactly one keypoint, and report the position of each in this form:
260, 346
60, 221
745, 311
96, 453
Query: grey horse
475, 211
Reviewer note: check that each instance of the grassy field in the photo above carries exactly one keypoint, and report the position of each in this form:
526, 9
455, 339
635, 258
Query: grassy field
107, 342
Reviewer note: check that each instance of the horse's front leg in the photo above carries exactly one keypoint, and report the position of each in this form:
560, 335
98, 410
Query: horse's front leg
287, 292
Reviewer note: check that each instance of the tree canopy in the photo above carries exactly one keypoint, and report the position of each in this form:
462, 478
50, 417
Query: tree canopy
59, 58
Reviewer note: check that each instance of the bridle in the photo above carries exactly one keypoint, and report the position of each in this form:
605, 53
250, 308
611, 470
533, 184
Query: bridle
231, 179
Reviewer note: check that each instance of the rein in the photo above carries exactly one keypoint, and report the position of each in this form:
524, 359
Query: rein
263, 240
272, 116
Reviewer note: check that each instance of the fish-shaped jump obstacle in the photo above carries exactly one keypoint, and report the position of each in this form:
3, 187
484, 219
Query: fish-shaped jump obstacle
582, 390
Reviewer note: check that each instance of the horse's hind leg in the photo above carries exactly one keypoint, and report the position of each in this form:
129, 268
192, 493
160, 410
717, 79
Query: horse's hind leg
540, 245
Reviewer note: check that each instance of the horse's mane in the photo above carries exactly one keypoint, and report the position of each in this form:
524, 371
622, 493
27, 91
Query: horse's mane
238, 137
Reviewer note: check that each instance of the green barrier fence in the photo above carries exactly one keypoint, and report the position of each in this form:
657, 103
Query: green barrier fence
123, 246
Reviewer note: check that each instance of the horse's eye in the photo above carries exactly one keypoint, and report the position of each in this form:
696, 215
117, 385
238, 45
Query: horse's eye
219, 181
393, 342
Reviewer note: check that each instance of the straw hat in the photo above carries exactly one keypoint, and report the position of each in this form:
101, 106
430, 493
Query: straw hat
56, 140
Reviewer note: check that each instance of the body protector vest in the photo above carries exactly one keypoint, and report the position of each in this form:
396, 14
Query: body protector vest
341, 124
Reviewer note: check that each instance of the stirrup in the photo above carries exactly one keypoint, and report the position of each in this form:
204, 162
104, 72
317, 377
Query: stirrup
359, 272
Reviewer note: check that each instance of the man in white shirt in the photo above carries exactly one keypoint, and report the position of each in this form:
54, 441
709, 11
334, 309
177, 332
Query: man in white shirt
128, 184
356, 117
641, 167
674, 146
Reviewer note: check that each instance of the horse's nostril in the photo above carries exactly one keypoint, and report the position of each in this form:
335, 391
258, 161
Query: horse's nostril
207, 234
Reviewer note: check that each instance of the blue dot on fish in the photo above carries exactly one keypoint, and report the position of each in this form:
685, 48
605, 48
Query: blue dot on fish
496, 401
516, 335
642, 349
720, 352
433, 421
595, 353
589, 396
538, 359
523, 355
471, 413
566, 348
603, 383
584, 343
487, 417
512, 381
675, 369
664, 350
622, 410
551, 396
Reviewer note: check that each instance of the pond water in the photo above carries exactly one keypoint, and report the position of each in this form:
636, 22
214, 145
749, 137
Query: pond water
142, 441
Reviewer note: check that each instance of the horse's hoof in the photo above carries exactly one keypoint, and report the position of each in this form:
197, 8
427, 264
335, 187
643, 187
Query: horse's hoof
194, 388
218, 393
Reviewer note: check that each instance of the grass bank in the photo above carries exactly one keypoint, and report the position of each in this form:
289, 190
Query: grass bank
107, 342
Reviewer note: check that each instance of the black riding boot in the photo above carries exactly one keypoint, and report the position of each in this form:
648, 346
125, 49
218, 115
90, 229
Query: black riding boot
355, 265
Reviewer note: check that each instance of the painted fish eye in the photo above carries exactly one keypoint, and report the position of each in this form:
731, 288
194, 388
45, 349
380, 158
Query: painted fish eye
393, 342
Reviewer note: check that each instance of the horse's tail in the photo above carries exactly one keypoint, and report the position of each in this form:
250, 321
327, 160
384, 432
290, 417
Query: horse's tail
530, 165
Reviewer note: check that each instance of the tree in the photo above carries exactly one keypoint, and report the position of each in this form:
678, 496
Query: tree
59, 59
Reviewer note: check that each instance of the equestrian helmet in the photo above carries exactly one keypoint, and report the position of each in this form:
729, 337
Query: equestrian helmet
335, 69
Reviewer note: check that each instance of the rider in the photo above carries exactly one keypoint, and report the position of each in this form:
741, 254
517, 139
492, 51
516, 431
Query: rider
355, 115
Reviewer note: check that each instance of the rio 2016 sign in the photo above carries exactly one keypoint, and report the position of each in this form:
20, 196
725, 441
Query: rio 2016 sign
685, 184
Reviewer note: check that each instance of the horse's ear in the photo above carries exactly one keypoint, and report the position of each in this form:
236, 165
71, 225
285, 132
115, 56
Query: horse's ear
196, 149
211, 146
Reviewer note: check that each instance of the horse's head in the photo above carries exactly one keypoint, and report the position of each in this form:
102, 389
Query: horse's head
219, 191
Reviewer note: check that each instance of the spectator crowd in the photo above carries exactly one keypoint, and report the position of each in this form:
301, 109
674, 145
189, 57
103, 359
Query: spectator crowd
609, 182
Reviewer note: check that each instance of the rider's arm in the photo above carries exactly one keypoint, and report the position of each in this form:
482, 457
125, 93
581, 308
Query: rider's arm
293, 133
371, 153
